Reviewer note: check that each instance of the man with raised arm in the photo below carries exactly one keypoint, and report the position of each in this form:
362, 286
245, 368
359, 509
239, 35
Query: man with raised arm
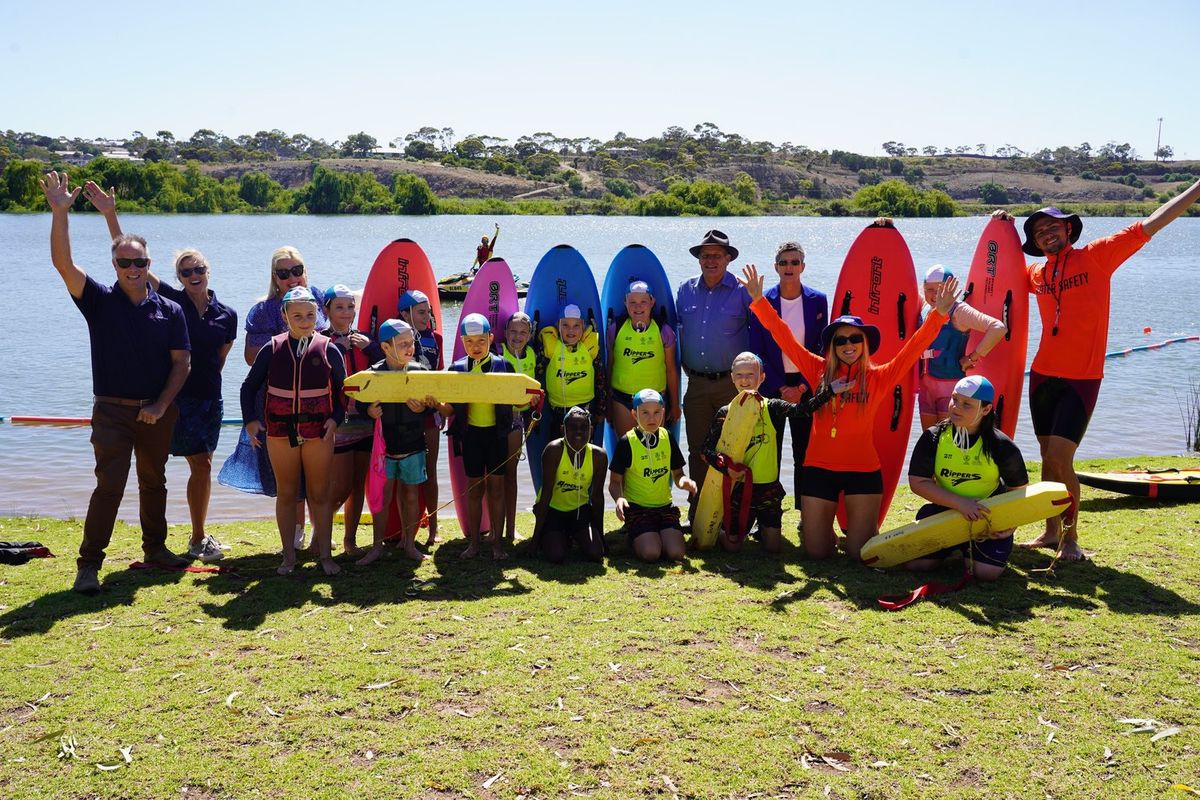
140, 359
1073, 288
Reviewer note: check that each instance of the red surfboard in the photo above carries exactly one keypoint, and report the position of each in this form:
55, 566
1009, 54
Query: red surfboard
879, 283
998, 285
400, 266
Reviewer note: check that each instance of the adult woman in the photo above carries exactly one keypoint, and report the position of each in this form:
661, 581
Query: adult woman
212, 327
841, 456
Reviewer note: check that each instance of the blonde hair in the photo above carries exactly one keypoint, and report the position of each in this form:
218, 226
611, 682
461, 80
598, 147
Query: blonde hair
288, 252
192, 253
832, 362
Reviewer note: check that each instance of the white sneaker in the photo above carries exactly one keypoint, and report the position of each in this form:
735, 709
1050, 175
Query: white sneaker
207, 550
299, 541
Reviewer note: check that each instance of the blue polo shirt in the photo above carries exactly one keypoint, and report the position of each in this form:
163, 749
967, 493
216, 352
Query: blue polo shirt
209, 334
131, 344
713, 323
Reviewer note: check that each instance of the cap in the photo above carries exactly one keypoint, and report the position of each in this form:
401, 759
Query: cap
571, 311
639, 287
392, 328
937, 273
413, 297
474, 325
647, 396
337, 290
976, 387
299, 294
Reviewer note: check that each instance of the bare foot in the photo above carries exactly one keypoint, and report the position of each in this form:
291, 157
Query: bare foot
412, 552
498, 553
471, 551
1070, 551
351, 549
431, 540
1046, 540
285, 568
371, 557
330, 566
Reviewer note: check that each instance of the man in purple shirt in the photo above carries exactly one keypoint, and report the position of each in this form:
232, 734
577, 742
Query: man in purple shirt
140, 360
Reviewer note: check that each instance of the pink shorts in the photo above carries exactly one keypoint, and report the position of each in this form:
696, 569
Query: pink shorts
933, 395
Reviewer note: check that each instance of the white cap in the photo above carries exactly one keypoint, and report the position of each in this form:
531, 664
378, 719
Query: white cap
937, 273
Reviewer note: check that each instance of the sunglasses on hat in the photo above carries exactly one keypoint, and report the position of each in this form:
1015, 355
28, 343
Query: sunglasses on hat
285, 272
854, 338
126, 263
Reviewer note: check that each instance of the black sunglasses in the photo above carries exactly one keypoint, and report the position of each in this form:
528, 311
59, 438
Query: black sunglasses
187, 273
854, 338
126, 263
795, 262
285, 273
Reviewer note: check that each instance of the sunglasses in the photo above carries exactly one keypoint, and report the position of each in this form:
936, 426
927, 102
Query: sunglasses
854, 338
187, 273
285, 273
126, 263
795, 262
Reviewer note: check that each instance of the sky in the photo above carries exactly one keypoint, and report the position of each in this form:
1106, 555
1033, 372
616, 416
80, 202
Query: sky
847, 75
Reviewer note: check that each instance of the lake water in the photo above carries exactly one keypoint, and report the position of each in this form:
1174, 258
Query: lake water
45, 370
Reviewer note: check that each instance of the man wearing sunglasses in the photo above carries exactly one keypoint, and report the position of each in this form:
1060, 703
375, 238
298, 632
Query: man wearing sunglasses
140, 359
805, 310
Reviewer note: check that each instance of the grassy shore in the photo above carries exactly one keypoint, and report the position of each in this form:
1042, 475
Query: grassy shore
727, 676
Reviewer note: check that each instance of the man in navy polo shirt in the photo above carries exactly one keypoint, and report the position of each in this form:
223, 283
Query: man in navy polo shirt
140, 360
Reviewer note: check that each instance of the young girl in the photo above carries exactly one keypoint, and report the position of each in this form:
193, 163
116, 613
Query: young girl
403, 427
841, 455
647, 460
641, 355
413, 307
303, 374
352, 443
570, 508
960, 461
520, 356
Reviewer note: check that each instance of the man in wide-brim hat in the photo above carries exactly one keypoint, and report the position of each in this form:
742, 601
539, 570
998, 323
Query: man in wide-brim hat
1073, 289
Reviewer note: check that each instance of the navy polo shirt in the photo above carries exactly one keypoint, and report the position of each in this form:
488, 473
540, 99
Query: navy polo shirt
131, 344
209, 334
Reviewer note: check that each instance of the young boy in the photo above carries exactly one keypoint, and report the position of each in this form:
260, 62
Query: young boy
413, 307
479, 433
570, 508
641, 355
403, 428
639, 483
570, 368
518, 332
763, 455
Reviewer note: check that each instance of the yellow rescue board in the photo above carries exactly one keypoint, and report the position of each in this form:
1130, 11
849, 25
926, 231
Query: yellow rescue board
735, 437
1035, 502
501, 388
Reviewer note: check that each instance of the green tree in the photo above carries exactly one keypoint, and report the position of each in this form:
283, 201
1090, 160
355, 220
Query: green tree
745, 188
993, 194
411, 195
257, 189
359, 145
894, 198
20, 184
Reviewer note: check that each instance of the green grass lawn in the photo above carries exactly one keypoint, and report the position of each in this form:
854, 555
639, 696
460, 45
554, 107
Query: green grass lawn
729, 676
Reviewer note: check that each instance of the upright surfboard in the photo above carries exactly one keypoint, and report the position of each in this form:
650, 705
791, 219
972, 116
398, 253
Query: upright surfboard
562, 277
638, 263
493, 293
744, 412
401, 265
997, 285
879, 284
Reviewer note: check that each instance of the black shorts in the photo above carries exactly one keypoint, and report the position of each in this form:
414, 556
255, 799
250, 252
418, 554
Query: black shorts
766, 505
827, 484
986, 551
1062, 406
361, 446
639, 520
483, 452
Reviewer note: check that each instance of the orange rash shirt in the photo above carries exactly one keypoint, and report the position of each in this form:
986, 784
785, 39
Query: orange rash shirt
853, 448
1076, 298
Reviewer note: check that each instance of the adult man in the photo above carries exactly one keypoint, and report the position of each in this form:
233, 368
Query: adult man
713, 329
1072, 288
806, 311
140, 359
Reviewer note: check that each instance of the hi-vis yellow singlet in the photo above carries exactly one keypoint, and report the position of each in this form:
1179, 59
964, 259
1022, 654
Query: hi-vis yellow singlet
570, 371
639, 359
572, 487
524, 366
966, 474
648, 479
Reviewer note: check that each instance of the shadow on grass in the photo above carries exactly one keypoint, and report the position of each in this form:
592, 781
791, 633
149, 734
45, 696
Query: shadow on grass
1128, 502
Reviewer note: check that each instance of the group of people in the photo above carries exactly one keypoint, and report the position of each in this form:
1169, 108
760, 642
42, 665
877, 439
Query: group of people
817, 376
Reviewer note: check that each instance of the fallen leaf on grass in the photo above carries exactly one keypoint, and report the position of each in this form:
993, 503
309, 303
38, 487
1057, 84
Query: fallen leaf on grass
488, 783
616, 751
696, 699
310, 612
126, 753
205, 690
670, 784
369, 755
229, 700
265, 632
380, 685
52, 735
577, 718
779, 698
272, 711
558, 701
614, 667
1050, 737
1163, 734
460, 618
377, 622
838, 760
1046, 722
34, 705
100, 628
880, 764
462, 713
1183, 787
107, 767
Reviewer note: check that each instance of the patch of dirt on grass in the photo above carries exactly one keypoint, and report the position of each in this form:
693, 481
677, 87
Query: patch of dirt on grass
825, 707
969, 778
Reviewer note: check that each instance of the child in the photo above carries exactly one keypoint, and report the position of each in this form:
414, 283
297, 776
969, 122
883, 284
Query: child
303, 373
352, 443
413, 307
570, 368
641, 354
570, 507
403, 428
521, 357
639, 484
763, 455
479, 433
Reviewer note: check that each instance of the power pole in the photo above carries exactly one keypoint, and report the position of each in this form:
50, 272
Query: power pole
1158, 144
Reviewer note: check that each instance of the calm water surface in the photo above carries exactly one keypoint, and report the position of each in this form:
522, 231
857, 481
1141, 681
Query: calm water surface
44, 366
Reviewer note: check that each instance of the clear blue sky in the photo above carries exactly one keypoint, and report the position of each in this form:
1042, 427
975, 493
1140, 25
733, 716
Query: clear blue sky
846, 75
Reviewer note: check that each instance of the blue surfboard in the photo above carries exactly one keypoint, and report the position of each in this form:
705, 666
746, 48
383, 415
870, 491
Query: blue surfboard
562, 277
638, 263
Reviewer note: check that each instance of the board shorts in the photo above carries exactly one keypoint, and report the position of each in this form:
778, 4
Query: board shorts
1062, 406
483, 453
640, 519
409, 469
827, 484
994, 552
933, 395
766, 505
198, 426
354, 436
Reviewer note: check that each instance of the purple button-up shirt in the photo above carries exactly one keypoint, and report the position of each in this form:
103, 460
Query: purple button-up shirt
713, 323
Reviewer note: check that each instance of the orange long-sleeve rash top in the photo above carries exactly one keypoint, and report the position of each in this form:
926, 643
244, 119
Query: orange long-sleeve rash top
852, 449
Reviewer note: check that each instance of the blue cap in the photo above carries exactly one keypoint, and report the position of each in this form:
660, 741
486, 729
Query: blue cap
299, 294
638, 287
647, 396
392, 328
976, 387
336, 291
474, 325
413, 297
937, 274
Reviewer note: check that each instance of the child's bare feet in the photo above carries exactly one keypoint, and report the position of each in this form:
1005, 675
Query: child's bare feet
286, 567
431, 540
371, 557
498, 553
471, 551
351, 548
330, 566
412, 552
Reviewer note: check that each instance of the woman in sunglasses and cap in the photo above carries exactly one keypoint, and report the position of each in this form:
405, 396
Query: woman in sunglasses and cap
841, 455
